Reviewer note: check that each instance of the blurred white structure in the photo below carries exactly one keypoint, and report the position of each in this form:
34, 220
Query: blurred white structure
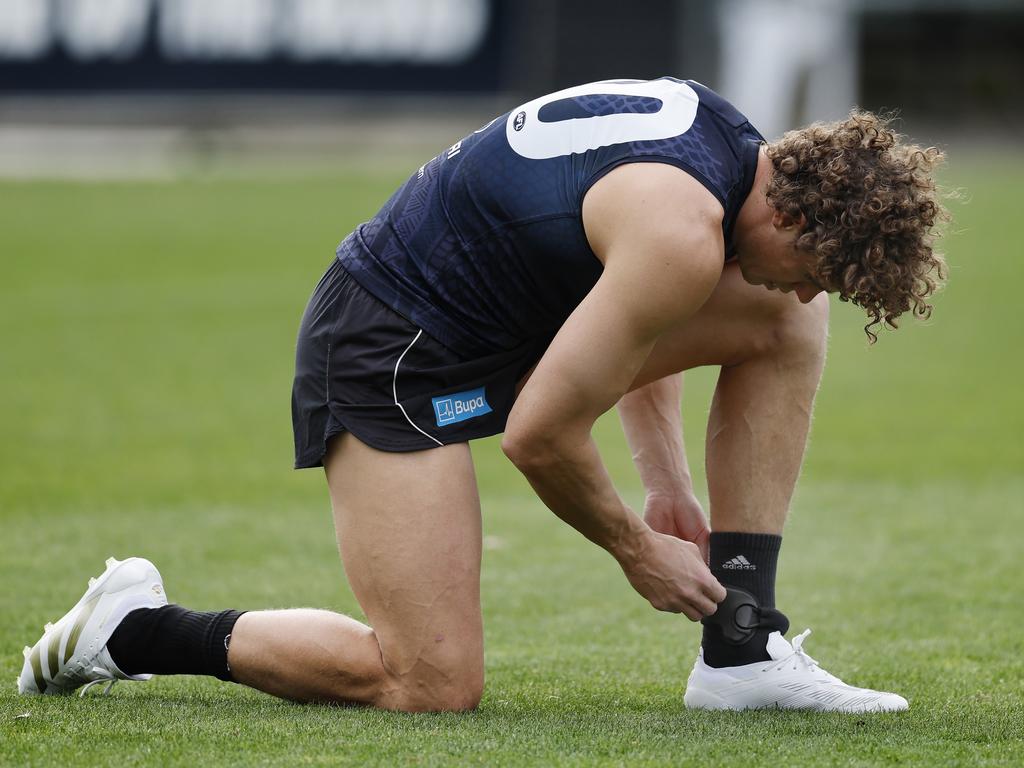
776, 51
382, 31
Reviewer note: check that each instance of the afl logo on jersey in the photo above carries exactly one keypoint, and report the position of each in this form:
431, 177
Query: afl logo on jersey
519, 122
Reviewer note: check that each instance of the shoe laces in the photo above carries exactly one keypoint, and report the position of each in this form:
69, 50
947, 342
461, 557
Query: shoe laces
798, 658
102, 676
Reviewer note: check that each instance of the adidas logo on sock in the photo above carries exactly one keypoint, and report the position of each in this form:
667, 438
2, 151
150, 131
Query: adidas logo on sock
739, 563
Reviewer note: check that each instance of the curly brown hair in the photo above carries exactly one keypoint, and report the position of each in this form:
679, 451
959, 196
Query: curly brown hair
871, 206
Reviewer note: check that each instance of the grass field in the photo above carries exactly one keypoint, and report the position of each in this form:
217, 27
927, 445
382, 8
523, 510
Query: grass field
145, 373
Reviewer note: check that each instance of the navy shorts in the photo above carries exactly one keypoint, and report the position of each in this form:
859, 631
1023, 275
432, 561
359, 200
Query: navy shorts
360, 367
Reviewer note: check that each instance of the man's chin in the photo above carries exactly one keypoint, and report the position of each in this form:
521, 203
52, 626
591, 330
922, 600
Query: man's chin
750, 280
747, 278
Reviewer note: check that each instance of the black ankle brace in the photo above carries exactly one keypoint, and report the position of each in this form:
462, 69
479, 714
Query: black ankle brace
739, 616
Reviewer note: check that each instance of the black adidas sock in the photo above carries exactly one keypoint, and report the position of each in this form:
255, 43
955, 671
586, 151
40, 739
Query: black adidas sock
745, 561
173, 641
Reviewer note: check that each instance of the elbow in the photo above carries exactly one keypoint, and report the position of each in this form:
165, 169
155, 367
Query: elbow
516, 447
528, 450
536, 442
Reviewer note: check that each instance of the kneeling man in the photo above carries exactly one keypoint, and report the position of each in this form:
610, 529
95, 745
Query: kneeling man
576, 253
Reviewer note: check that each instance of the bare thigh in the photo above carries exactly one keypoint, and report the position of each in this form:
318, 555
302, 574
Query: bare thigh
408, 527
738, 322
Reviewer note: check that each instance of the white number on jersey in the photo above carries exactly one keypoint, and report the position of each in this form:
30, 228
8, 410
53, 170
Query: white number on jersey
531, 138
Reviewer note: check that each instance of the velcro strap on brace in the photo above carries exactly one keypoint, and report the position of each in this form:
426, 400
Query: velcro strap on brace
739, 616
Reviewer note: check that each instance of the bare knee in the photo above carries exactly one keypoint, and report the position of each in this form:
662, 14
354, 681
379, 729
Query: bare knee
799, 332
453, 691
435, 679
450, 680
417, 697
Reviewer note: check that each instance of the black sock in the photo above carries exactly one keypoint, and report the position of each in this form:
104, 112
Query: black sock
745, 561
173, 641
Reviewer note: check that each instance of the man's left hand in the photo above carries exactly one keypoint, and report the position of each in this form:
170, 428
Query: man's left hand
679, 515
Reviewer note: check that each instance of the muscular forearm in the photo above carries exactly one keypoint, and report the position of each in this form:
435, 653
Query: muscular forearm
569, 476
654, 429
653, 425
572, 481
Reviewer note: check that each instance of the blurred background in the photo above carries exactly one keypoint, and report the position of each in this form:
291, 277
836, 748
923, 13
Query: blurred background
175, 175
149, 88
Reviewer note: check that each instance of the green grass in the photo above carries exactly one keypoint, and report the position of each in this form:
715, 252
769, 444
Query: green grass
145, 372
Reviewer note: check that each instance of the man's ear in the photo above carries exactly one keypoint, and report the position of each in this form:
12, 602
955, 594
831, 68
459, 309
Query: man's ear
783, 221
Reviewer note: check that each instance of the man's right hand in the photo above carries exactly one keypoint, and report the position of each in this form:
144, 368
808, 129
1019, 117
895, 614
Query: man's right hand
672, 575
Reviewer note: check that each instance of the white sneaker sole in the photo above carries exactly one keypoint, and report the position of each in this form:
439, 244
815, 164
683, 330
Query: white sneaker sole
697, 698
764, 685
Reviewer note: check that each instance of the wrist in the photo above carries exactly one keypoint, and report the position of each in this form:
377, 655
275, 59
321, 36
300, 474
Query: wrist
629, 545
673, 488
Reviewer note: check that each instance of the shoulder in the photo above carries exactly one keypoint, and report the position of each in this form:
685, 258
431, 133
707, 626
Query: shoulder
658, 233
652, 206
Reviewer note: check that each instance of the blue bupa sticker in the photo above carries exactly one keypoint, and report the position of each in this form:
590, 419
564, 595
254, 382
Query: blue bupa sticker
449, 409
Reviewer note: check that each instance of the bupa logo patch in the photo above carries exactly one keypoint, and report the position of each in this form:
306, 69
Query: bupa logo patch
451, 409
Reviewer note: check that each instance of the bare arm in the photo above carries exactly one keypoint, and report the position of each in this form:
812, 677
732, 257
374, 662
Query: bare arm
660, 267
653, 424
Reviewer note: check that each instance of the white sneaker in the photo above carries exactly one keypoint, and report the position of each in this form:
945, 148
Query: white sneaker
791, 680
73, 651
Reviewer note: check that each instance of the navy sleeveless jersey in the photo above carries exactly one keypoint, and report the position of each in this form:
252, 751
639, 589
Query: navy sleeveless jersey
484, 247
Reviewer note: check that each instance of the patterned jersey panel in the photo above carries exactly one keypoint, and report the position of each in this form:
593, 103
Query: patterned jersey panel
484, 248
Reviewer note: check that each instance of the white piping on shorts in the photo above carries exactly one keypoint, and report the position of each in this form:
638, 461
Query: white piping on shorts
394, 391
